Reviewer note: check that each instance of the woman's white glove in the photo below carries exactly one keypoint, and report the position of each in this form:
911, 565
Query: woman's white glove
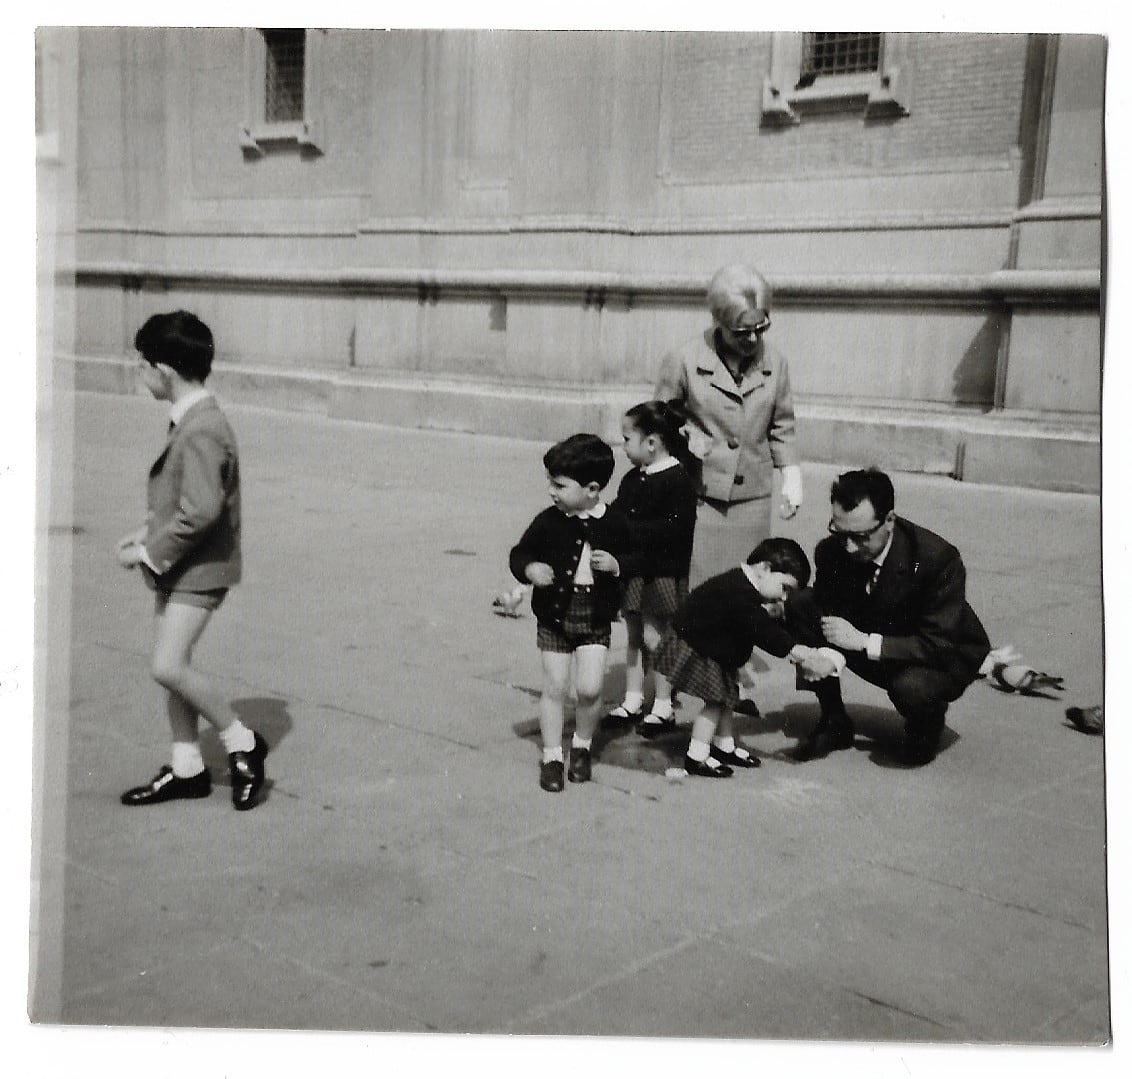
791, 490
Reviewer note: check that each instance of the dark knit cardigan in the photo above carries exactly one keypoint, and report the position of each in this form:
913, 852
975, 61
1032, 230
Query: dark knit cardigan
661, 508
723, 619
556, 539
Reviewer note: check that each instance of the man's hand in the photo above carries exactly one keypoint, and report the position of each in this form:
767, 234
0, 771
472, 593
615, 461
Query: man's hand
604, 562
540, 574
844, 635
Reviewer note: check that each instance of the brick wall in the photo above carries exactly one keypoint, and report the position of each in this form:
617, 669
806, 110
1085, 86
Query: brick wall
965, 93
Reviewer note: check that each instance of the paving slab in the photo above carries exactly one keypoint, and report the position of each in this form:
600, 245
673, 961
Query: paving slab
405, 873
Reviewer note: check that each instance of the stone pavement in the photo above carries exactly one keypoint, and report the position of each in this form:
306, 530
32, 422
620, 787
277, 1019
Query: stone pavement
404, 871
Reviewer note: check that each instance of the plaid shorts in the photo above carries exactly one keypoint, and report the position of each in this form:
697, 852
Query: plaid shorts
658, 596
692, 673
577, 629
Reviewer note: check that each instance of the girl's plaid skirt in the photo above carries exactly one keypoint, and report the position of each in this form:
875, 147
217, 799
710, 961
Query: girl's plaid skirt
658, 596
692, 673
577, 627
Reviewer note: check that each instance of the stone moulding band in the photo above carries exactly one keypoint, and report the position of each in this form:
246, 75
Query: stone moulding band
1036, 287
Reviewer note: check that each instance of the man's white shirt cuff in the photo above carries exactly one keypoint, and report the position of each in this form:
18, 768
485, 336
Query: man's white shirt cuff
872, 649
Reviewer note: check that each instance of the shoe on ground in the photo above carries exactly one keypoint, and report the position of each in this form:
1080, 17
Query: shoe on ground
246, 769
550, 776
744, 706
653, 725
165, 787
826, 738
740, 758
710, 769
622, 717
581, 767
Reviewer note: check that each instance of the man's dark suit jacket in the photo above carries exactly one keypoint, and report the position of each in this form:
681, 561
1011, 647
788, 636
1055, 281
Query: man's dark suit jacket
918, 603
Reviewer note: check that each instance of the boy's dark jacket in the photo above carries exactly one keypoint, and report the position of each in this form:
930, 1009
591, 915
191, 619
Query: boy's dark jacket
557, 540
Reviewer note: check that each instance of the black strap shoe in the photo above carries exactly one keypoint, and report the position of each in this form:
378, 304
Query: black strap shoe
246, 769
709, 769
739, 758
165, 787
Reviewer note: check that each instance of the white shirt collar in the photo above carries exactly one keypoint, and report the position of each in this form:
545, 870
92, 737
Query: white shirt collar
662, 465
182, 405
595, 512
879, 560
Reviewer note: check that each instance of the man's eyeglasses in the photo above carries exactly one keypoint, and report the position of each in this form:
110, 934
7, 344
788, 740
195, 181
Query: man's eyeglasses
857, 537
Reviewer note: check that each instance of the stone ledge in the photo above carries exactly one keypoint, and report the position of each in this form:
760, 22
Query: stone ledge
1051, 453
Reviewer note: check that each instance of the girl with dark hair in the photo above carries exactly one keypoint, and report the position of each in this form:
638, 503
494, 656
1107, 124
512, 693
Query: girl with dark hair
659, 498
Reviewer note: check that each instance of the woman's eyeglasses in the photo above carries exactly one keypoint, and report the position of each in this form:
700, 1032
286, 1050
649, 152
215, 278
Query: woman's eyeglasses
749, 331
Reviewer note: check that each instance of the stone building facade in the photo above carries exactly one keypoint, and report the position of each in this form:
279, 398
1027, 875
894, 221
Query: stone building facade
504, 231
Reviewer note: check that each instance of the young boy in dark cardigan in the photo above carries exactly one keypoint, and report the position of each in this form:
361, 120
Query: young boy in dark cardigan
574, 553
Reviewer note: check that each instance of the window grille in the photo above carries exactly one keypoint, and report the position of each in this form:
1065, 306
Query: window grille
838, 54
283, 84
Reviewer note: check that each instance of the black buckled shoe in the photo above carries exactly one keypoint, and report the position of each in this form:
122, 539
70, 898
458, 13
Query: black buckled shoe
246, 769
710, 769
826, 738
581, 767
550, 776
165, 787
652, 726
739, 758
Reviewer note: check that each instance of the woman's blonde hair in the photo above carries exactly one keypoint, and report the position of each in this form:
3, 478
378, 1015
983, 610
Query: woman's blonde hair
735, 289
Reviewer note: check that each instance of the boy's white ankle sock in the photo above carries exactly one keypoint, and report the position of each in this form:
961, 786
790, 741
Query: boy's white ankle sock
698, 750
551, 753
725, 744
581, 743
662, 707
187, 761
633, 702
237, 738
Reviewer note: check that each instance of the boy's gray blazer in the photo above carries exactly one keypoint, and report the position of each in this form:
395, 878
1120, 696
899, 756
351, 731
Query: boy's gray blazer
193, 495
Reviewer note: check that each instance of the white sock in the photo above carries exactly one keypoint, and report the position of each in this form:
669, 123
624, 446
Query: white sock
698, 750
633, 702
725, 744
551, 753
237, 738
581, 743
662, 707
187, 761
